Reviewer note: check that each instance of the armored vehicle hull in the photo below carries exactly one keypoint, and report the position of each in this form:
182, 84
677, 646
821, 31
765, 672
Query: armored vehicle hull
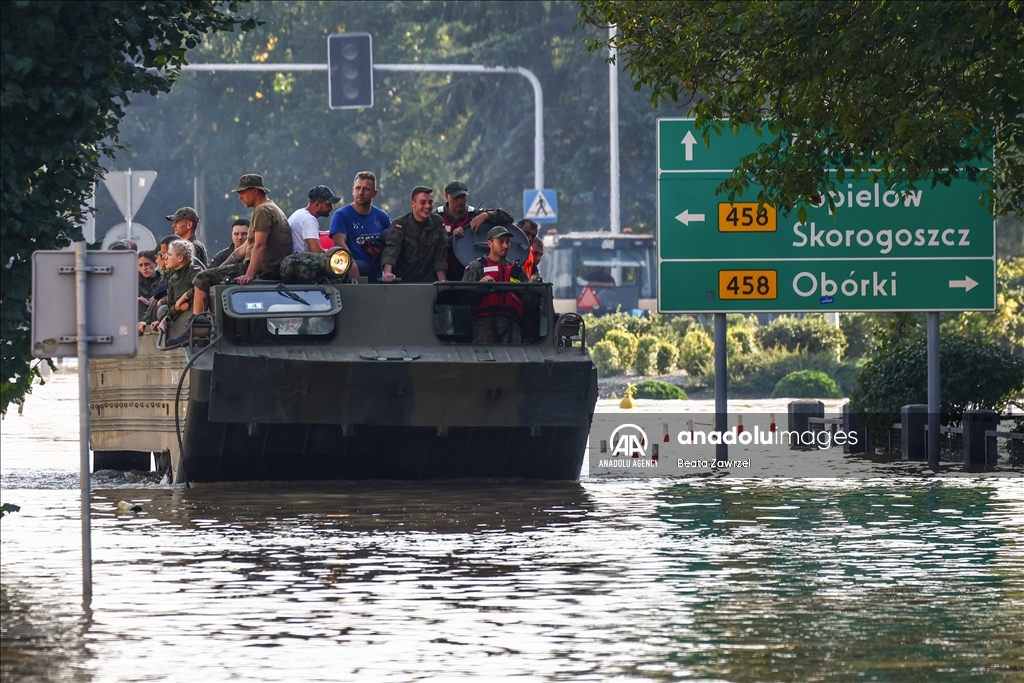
383, 381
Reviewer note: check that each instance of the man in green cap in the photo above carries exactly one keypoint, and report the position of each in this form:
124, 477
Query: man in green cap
498, 316
457, 215
185, 222
268, 242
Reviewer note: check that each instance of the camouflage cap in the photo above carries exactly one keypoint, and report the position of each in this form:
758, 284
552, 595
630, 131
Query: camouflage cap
322, 193
498, 231
456, 188
185, 213
251, 180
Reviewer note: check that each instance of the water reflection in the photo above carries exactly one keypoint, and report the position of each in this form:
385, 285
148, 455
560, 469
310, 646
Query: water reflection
640, 580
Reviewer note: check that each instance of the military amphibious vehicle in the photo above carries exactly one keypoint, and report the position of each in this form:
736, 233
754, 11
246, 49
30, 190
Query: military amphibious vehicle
339, 381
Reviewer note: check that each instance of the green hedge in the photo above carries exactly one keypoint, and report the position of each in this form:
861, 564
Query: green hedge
973, 374
806, 384
812, 333
652, 388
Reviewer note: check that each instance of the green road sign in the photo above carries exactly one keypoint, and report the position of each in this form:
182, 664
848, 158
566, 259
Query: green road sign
871, 221
823, 286
893, 249
681, 147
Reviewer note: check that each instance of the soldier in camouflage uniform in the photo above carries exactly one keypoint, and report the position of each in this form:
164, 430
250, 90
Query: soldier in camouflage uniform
417, 246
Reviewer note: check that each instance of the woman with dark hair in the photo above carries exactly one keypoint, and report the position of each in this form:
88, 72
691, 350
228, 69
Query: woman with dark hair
148, 280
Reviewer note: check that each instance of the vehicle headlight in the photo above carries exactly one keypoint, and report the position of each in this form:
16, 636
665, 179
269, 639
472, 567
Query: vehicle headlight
339, 261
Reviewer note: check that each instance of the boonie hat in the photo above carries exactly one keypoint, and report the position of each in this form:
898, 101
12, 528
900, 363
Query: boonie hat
322, 193
456, 188
497, 231
251, 180
185, 212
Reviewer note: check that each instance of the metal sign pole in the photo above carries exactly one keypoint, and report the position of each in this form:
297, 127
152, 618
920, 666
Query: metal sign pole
81, 272
721, 386
934, 399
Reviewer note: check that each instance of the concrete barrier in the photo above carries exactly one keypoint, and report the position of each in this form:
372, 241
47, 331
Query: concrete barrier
913, 423
798, 414
853, 424
976, 423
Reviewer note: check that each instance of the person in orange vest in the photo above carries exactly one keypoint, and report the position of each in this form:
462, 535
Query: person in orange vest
498, 316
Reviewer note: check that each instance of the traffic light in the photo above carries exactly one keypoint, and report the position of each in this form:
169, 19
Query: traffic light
350, 70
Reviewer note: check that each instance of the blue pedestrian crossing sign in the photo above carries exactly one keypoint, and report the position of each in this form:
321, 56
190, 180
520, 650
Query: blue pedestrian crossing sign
540, 206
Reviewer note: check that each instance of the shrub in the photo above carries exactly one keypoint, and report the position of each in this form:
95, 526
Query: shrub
741, 336
625, 343
812, 333
599, 326
806, 384
973, 374
646, 362
661, 391
606, 358
667, 356
757, 374
696, 353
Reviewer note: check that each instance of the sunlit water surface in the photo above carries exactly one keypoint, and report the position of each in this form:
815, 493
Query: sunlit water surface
887, 579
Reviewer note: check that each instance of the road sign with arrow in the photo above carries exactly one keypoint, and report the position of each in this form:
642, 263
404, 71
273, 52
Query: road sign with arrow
934, 247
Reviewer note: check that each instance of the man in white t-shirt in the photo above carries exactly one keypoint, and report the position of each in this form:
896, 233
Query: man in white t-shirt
304, 224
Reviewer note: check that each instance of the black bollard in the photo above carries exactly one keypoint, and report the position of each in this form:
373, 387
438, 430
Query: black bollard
913, 422
853, 424
798, 414
976, 422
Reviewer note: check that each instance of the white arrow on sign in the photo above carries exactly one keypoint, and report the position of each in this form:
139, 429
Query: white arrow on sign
967, 283
685, 217
689, 141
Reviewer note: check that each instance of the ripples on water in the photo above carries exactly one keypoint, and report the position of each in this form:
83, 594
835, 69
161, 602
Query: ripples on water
890, 579
829, 581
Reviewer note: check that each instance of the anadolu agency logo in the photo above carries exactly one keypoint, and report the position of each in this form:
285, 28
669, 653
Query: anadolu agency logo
629, 448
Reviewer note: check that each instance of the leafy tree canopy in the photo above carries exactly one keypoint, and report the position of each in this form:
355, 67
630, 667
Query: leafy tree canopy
66, 73
902, 91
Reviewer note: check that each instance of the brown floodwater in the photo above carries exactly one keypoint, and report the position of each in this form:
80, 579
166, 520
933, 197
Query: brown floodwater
873, 579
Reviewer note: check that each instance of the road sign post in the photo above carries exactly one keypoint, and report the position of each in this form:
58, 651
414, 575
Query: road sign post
63, 303
882, 248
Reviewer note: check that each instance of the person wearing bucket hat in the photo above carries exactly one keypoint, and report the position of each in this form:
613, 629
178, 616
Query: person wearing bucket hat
457, 214
185, 222
268, 242
304, 224
498, 316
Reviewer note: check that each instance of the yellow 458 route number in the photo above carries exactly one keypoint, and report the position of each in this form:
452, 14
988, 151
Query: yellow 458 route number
748, 284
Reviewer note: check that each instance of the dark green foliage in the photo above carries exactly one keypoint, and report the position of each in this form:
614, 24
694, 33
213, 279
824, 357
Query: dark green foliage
974, 374
806, 384
8, 508
757, 374
661, 391
918, 90
812, 333
66, 72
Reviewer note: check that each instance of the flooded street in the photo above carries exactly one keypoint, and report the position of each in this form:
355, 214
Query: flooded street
875, 579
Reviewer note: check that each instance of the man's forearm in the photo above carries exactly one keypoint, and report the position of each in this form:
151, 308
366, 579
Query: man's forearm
255, 259
237, 256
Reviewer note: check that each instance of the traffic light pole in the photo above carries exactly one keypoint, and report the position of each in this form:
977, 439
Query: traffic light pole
538, 93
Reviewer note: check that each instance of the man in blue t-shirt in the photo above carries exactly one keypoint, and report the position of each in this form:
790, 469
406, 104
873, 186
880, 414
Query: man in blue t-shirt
358, 227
